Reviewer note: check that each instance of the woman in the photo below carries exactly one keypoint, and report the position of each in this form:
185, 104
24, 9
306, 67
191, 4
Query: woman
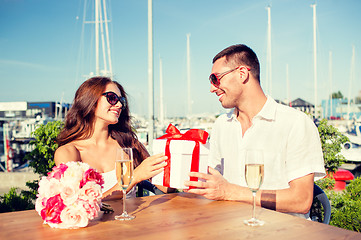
96, 125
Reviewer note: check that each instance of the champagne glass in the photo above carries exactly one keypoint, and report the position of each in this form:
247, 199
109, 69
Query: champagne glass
124, 172
254, 172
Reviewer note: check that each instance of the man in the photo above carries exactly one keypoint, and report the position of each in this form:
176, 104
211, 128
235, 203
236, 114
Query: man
290, 141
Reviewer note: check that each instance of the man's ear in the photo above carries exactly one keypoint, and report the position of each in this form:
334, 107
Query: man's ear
244, 74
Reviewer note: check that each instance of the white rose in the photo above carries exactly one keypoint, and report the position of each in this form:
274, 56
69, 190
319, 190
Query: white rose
84, 166
90, 192
43, 188
69, 194
74, 216
72, 176
40, 203
49, 187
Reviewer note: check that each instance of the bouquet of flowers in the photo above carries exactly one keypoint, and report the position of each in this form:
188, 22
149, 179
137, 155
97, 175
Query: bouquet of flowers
70, 195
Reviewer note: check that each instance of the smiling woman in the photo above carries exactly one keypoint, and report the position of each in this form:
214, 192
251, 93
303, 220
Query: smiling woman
97, 124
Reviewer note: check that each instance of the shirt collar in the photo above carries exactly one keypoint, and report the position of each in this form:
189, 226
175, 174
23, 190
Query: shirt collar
268, 111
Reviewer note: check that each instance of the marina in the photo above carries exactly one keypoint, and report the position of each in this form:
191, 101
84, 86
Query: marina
17, 125
18, 119
161, 53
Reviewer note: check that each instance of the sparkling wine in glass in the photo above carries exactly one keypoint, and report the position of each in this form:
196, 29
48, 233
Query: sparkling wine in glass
124, 172
254, 172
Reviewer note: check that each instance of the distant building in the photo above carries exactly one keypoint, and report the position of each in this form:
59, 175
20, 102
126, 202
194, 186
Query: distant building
17, 122
9, 110
339, 109
303, 106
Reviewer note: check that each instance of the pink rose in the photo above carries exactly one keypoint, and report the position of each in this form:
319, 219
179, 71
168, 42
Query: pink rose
58, 171
91, 208
91, 175
53, 207
74, 217
69, 194
90, 192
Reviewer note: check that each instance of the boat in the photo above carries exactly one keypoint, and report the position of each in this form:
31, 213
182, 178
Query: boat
351, 150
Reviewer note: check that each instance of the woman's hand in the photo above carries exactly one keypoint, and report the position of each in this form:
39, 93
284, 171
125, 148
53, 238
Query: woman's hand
150, 167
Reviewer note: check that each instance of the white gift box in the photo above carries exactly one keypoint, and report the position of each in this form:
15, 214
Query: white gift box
181, 159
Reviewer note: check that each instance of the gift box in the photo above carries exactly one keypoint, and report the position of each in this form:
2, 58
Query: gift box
186, 152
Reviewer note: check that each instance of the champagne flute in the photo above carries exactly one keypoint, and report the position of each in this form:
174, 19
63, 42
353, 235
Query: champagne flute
254, 172
124, 172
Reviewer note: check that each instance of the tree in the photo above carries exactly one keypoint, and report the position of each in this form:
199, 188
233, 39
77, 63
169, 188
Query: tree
337, 95
358, 100
331, 141
41, 158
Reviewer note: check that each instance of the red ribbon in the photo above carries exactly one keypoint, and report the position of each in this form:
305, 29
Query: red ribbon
172, 133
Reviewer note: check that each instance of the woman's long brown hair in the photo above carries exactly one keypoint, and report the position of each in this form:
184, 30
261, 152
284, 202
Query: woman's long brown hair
79, 121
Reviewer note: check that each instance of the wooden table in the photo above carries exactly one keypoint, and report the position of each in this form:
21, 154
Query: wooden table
175, 216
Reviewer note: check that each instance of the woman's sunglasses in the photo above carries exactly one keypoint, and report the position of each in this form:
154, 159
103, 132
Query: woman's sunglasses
113, 99
215, 79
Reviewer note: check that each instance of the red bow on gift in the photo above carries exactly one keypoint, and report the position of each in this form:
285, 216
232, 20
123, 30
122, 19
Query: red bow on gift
172, 133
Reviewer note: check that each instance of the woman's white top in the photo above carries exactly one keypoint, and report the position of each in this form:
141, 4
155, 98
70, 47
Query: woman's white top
110, 180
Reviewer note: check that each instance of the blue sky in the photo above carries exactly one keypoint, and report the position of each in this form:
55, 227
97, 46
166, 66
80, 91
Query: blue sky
40, 42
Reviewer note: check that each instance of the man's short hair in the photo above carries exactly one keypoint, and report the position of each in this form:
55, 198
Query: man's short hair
241, 54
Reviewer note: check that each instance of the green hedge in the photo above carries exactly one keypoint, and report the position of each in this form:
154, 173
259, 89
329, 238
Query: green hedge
346, 206
12, 201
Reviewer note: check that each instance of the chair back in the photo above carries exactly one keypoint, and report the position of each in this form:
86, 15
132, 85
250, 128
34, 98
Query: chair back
145, 188
319, 194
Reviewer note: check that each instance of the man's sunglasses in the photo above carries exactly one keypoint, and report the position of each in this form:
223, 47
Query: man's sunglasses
113, 99
215, 79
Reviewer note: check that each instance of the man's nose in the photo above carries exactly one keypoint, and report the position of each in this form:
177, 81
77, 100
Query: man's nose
213, 88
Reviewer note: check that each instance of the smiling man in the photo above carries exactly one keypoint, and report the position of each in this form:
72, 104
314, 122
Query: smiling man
289, 139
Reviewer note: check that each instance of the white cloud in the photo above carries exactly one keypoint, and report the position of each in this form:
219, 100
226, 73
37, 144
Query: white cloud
12, 63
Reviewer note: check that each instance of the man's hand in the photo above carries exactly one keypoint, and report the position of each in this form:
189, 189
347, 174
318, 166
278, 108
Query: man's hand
296, 199
214, 187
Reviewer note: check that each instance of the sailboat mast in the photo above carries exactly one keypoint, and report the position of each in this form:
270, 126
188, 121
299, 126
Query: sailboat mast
269, 53
330, 76
352, 75
288, 86
97, 37
161, 110
150, 78
107, 38
315, 58
101, 22
101, 33
189, 109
